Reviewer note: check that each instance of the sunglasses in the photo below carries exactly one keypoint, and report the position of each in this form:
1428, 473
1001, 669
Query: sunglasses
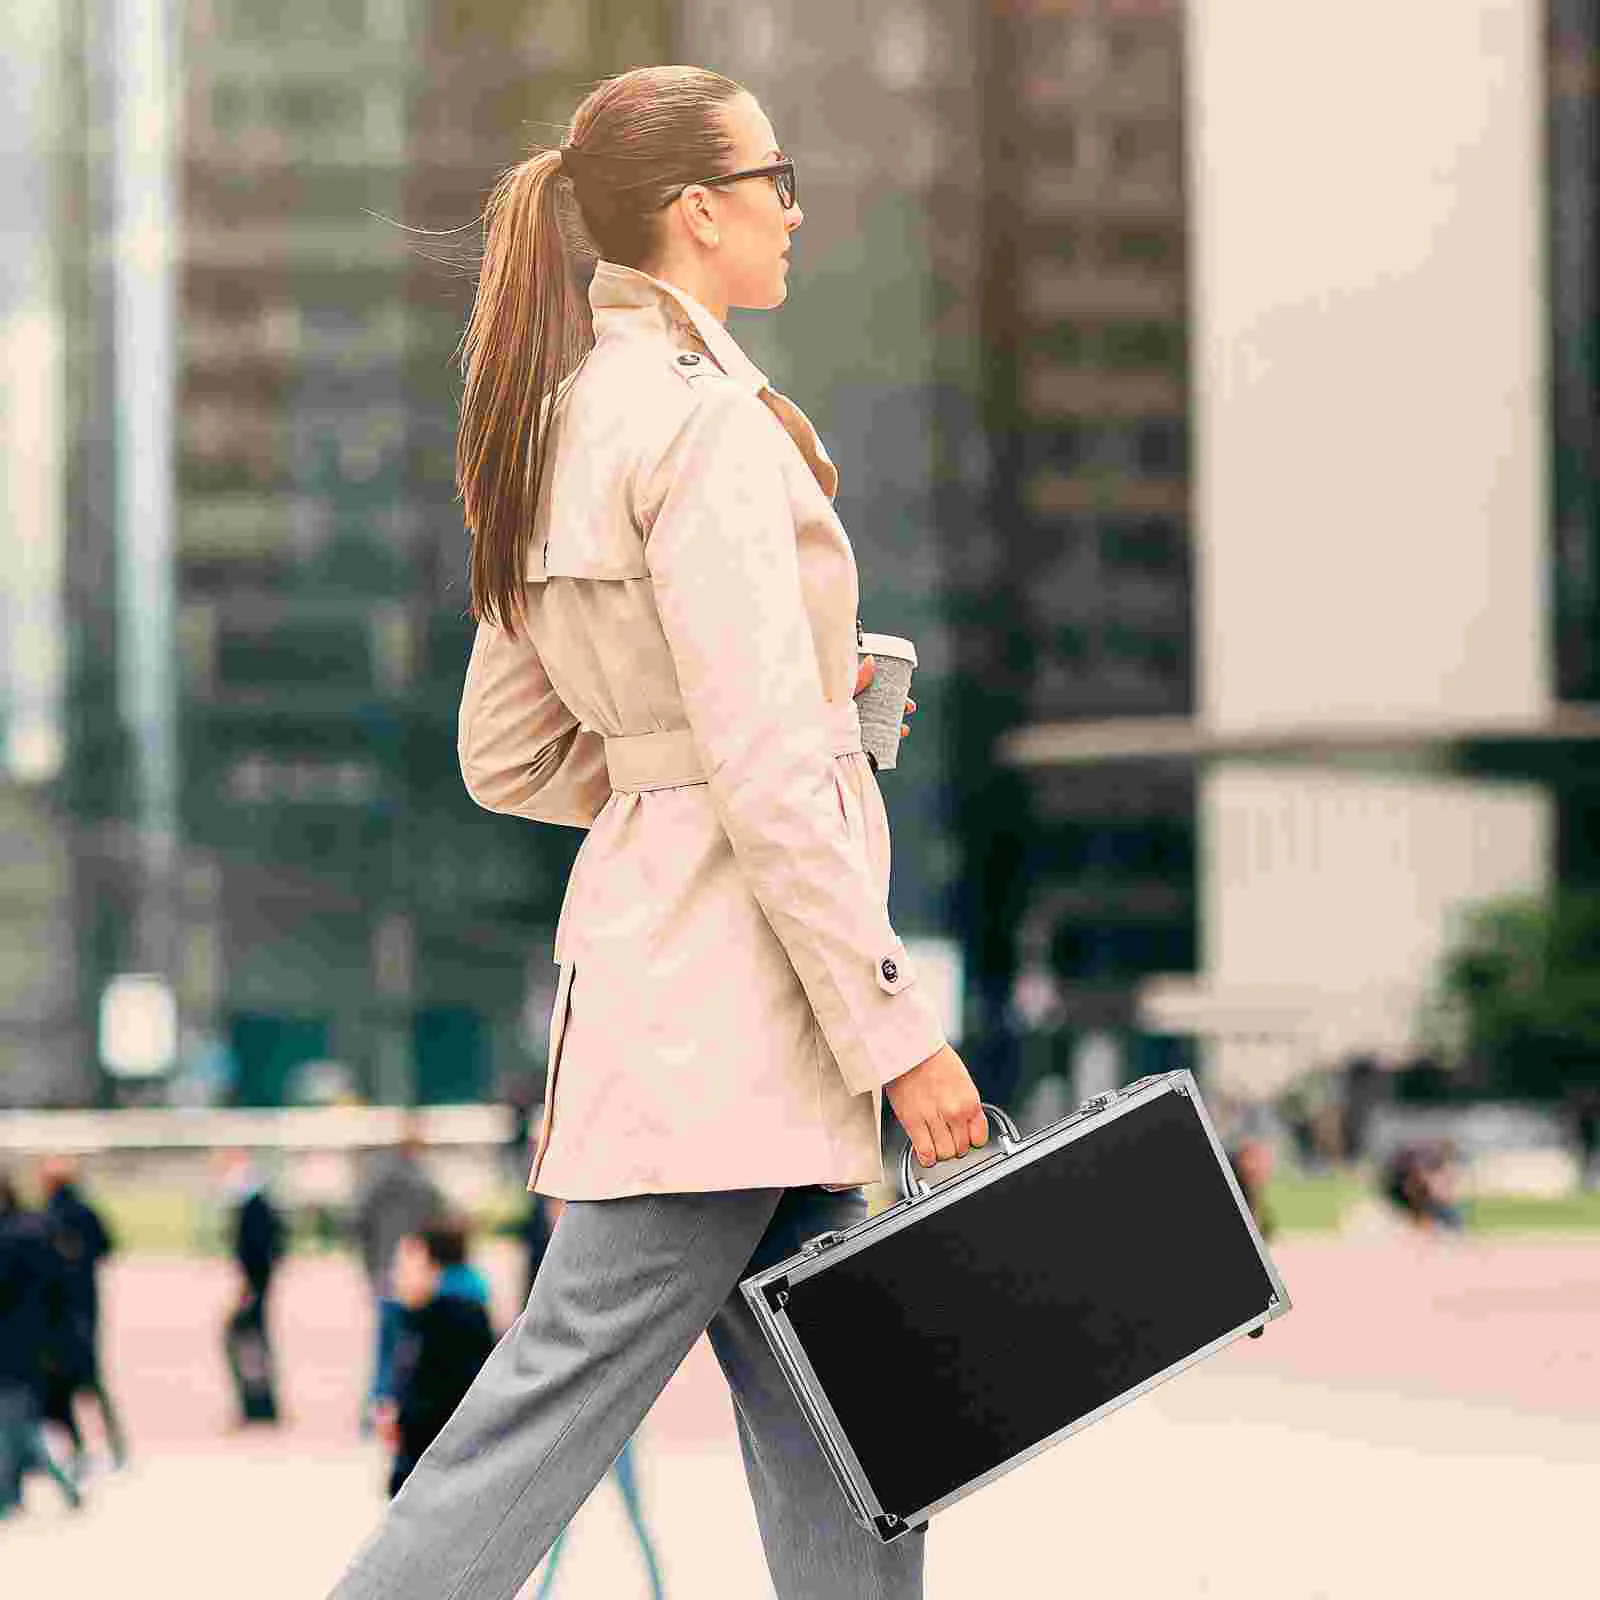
781, 173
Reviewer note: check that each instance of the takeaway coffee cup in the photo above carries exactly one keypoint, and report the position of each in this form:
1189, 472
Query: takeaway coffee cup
882, 704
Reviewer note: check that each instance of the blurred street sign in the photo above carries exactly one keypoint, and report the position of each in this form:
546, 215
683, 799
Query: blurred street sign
138, 1025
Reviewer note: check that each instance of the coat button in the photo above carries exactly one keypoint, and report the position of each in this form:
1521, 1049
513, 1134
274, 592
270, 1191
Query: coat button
890, 970
688, 360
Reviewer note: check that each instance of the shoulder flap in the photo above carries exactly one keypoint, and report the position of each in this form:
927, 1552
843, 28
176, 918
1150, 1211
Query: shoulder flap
587, 547
583, 529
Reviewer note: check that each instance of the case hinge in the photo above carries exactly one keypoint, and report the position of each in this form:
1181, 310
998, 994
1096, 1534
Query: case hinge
822, 1241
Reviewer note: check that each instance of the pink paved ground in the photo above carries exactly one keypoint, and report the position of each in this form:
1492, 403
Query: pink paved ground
1425, 1422
1510, 1322
1516, 1323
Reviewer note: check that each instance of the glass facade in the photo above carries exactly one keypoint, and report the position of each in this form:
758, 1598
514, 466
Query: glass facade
358, 905
230, 732
1078, 882
1573, 155
877, 104
1573, 149
55, 488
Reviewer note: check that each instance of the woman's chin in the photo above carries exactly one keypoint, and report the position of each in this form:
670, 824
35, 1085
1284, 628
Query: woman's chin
770, 301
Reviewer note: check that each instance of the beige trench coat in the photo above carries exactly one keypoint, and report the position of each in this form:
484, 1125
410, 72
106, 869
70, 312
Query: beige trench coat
731, 994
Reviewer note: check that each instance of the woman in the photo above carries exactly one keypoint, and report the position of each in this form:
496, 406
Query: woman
666, 656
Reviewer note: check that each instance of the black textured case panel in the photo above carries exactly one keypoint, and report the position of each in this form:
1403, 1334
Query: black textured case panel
1078, 1272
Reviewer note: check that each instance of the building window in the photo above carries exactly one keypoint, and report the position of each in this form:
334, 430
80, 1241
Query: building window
319, 109
1163, 447
333, 655
1142, 345
1146, 247
1144, 544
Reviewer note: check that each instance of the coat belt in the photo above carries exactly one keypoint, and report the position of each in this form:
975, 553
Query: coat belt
670, 760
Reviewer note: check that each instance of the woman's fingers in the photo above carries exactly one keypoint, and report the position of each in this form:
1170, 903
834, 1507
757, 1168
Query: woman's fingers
961, 1133
865, 673
949, 1138
922, 1144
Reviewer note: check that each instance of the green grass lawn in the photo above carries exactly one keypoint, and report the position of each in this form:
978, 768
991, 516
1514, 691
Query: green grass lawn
169, 1220
1318, 1205
158, 1220
1313, 1204
172, 1221
1508, 1213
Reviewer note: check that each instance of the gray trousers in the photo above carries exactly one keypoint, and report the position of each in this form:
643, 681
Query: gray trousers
624, 1290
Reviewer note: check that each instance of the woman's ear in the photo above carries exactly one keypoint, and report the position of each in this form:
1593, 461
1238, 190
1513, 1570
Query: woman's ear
695, 209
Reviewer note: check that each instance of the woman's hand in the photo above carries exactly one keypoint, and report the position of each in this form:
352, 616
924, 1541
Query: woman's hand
936, 1102
864, 676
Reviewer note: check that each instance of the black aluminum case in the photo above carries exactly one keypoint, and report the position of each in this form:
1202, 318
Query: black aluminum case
1019, 1301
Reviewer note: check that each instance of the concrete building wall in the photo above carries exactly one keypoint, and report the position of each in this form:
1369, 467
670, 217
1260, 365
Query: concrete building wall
1366, 186
1370, 500
1330, 896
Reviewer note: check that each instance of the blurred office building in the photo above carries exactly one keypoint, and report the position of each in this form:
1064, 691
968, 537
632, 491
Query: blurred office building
1391, 318
988, 321
235, 638
1248, 409
351, 905
1214, 408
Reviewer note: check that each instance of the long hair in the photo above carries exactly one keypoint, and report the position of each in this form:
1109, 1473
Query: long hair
632, 144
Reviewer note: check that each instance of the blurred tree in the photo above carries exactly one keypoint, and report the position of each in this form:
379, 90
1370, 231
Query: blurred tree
1518, 994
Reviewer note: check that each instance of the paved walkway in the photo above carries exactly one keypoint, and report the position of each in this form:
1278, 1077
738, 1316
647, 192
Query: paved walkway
1427, 1422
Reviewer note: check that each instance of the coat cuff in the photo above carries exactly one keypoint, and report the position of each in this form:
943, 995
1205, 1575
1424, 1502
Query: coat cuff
898, 1029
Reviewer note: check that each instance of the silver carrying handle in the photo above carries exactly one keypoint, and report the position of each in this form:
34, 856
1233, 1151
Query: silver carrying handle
1000, 1126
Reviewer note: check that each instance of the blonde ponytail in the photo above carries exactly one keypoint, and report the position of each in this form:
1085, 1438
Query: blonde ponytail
527, 333
636, 140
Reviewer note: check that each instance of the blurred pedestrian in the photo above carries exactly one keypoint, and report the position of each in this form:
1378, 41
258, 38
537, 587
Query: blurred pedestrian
625, 1474
1583, 1108
83, 1242
30, 1274
534, 1230
445, 1337
521, 1096
1422, 1182
1442, 1167
398, 1198
1252, 1162
1298, 1107
666, 652
259, 1240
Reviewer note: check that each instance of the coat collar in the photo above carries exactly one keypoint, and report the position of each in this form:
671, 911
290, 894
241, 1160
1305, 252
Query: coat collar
621, 296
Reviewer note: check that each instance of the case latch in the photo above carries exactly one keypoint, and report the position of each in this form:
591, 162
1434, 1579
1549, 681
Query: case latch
822, 1241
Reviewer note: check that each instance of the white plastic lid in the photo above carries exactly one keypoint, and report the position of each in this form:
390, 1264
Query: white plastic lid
888, 644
